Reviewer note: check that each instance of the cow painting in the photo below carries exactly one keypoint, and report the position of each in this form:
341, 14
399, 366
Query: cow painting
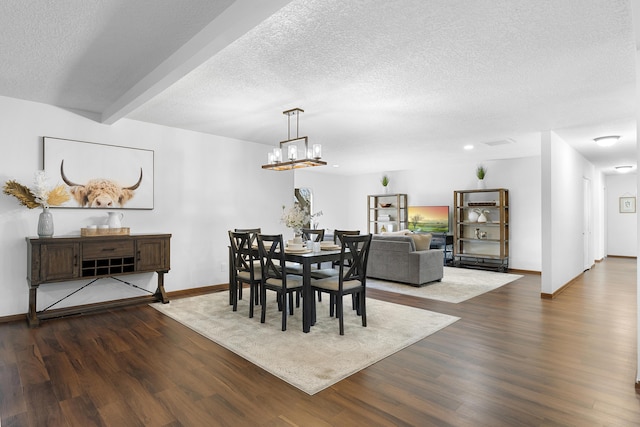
100, 192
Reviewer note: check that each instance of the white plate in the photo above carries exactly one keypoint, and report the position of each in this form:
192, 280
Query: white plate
330, 248
298, 251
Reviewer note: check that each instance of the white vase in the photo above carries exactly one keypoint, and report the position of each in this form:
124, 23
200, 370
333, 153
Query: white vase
482, 218
481, 185
45, 223
473, 216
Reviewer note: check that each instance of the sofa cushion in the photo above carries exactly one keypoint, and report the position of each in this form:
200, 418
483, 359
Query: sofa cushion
409, 245
422, 241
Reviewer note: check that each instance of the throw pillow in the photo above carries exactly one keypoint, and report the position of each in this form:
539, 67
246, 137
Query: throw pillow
395, 233
422, 242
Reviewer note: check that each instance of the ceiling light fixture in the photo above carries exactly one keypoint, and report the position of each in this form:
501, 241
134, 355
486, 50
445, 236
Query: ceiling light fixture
293, 147
624, 168
607, 141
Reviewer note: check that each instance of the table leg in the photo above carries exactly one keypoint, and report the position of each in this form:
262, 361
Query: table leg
307, 297
161, 295
32, 316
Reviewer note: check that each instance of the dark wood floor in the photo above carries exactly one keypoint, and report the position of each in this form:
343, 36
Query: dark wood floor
514, 359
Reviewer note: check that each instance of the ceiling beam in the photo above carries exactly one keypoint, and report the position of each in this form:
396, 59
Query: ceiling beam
233, 23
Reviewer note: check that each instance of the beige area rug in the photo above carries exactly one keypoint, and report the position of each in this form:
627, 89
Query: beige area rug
312, 361
457, 285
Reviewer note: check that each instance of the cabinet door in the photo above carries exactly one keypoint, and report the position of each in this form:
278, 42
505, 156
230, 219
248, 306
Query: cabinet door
152, 254
60, 261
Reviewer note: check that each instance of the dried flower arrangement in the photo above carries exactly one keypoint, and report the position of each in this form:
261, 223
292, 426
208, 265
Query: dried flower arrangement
40, 195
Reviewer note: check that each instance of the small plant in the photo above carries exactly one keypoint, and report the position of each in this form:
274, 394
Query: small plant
481, 171
385, 180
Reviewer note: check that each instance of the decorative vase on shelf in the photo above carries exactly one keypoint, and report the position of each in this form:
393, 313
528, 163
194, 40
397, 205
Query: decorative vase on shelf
481, 184
482, 218
45, 223
473, 216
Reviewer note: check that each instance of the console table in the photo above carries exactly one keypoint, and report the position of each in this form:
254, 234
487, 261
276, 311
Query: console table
62, 259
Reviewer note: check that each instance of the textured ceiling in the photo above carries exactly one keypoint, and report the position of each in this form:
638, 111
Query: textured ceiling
398, 80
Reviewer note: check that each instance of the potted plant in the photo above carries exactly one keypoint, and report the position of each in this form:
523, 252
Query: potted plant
481, 172
385, 183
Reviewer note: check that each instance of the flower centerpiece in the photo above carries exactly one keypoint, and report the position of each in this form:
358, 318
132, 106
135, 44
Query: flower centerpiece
40, 195
296, 217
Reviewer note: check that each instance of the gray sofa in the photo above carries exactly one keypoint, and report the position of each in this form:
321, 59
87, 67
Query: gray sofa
395, 258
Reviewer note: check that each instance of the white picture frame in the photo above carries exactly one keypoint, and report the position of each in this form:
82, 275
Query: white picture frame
628, 204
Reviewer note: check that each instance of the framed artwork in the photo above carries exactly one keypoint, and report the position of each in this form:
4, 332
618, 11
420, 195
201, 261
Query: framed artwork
428, 219
100, 176
627, 204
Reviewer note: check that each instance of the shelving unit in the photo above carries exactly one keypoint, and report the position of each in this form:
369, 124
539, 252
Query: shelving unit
481, 244
381, 217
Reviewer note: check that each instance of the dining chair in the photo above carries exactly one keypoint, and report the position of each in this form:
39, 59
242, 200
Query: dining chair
251, 244
308, 234
315, 235
275, 277
337, 239
351, 280
244, 269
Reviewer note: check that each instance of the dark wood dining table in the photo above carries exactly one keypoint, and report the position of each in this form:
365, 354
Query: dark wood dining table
306, 259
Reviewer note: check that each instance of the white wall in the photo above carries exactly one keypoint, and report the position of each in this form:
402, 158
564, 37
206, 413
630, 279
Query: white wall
563, 173
331, 194
435, 184
204, 186
621, 227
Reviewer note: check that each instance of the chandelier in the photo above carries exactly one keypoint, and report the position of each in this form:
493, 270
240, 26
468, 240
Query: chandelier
296, 149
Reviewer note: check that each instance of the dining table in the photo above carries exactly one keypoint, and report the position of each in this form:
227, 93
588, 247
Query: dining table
305, 258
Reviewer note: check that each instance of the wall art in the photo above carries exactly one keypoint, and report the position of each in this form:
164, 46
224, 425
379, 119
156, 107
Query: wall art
100, 176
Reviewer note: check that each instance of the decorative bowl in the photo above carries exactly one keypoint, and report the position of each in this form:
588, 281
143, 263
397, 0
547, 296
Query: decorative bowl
385, 205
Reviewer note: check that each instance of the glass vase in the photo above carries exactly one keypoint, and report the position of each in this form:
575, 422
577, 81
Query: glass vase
45, 223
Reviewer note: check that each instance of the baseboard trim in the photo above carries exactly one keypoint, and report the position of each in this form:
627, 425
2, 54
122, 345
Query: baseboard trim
183, 293
519, 271
544, 295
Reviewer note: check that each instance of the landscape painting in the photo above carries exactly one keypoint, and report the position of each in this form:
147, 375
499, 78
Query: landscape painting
429, 219
100, 176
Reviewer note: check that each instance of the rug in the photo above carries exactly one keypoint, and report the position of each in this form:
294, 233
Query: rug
312, 361
457, 285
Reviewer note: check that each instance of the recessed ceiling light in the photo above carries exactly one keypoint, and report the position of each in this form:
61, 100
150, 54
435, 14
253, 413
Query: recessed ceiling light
468, 147
624, 168
607, 141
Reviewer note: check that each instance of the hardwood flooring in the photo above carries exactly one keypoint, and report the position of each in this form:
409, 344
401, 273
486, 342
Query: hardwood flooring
514, 359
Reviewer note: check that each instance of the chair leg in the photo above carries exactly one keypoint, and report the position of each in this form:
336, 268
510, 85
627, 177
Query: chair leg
363, 309
263, 298
339, 312
233, 295
332, 304
291, 303
252, 297
284, 310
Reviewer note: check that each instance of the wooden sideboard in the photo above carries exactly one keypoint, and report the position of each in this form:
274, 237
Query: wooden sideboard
62, 259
